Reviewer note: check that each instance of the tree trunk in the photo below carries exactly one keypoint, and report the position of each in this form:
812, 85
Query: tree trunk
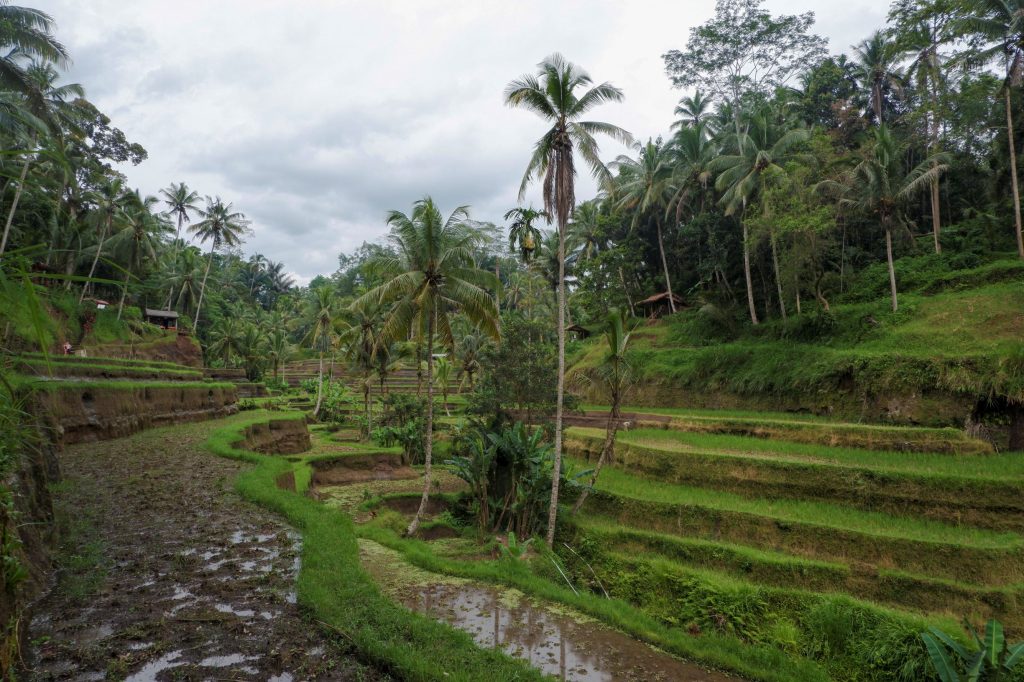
664, 265
14, 205
124, 294
428, 445
1013, 175
746, 273
625, 290
936, 211
778, 280
96, 258
202, 292
174, 265
556, 473
319, 386
892, 270
607, 450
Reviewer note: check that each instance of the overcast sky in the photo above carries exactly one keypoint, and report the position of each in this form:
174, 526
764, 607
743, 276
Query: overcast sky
315, 118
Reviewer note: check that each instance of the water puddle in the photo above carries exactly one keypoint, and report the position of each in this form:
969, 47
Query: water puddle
149, 671
552, 638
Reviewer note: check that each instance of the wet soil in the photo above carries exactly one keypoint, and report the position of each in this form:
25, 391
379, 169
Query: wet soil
183, 579
553, 638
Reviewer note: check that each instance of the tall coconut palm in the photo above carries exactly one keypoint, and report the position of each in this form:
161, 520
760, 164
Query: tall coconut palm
136, 242
181, 203
553, 94
645, 187
693, 111
221, 226
26, 33
107, 200
278, 349
523, 234
882, 186
1000, 24
322, 333
755, 155
362, 344
183, 279
431, 275
46, 102
614, 376
443, 374
585, 230
877, 67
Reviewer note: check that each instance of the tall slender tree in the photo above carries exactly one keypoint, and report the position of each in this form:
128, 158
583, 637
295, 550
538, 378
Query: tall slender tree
181, 203
877, 61
431, 276
553, 94
221, 226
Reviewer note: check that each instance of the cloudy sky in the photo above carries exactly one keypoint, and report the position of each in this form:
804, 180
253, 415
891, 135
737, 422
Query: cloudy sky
314, 118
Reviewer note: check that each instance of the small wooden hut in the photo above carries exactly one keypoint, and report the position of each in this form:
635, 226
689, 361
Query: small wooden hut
658, 305
167, 319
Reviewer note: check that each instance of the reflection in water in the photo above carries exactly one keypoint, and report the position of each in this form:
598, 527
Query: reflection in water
571, 648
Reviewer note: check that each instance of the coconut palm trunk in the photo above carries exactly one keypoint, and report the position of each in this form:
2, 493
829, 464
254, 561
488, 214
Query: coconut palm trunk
560, 391
746, 273
96, 258
319, 385
202, 292
14, 205
1013, 173
124, 294
664, 265
892, 269
935, 199
428, 444
778, 280
174, 264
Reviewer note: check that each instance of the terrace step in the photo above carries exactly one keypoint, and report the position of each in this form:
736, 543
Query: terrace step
812, 529
947, 488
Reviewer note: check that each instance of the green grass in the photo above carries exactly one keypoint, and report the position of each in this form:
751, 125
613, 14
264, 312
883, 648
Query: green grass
994, 467
37, 384
59, 368
333, 585
818, 514
120, 362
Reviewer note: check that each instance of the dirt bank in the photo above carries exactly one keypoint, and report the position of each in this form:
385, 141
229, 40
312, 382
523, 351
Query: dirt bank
170, 575
278, 437
83, 414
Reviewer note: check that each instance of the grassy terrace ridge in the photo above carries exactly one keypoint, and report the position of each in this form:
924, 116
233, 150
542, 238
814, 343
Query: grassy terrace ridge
37, 384
819, 514
995, 467
101, 368
894, 588
333, 585
86, 360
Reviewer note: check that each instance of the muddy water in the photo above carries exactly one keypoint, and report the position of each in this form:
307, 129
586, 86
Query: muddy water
552, 638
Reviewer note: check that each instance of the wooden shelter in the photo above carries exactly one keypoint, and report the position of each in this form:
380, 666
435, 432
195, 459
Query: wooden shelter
168, 319
579, 330
658, 305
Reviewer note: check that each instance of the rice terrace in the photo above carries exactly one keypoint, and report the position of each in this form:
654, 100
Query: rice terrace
386, 341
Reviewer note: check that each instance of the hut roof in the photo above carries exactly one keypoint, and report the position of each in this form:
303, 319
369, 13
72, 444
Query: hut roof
661, 298
161, 313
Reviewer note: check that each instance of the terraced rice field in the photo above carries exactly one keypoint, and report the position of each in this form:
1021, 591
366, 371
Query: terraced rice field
933, 534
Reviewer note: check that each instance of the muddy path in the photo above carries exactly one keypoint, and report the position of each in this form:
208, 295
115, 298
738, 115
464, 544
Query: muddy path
170, 575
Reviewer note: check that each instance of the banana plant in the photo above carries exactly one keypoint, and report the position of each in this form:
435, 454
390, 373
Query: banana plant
993, 659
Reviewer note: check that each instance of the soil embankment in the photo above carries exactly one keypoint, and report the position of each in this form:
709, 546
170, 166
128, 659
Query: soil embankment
277, 437
185, 581
82, 413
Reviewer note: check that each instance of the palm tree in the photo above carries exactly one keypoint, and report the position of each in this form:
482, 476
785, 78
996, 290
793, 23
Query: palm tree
876, 67
181, 202
1000, 23
470, 350
221, 227
224, 338
183, 279
26, 33
882, 187
443, 379
645, 186
522, 233
585, 229
756, 155
692, 111
431, 275
278, 349
136, 242
108, 200
321, 336
615, 376
551, 93
48, 103
362, 343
